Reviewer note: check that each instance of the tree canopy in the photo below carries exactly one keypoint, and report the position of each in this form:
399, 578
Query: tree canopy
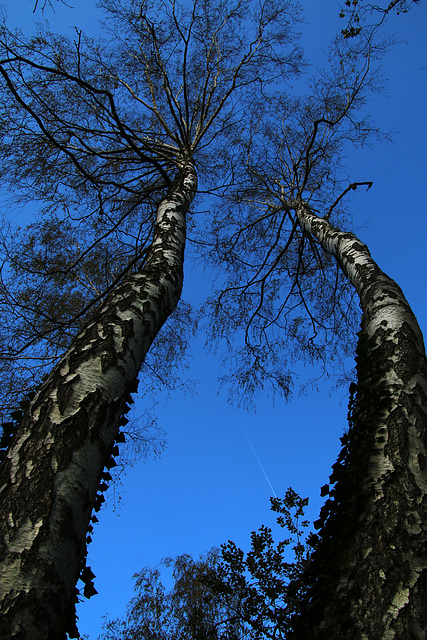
102, 128
226, 594
291, 301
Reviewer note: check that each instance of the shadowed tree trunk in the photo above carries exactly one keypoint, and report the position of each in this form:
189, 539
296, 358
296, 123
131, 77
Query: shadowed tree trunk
368, 574
52, 470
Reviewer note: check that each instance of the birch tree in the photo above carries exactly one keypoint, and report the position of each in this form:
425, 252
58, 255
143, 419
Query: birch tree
293, 265
109, 136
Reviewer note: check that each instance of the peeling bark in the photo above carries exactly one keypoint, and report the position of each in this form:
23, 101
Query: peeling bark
369, 574
49, 479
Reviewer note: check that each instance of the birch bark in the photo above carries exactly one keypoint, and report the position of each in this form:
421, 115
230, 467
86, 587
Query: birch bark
50, 476
370, 571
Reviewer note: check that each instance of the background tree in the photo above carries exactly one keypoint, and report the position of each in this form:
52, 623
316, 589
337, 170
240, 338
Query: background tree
108, 136
190, 609
226, 594
268, 577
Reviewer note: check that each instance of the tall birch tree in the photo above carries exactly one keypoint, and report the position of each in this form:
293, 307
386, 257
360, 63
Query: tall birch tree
294, 265
109, 136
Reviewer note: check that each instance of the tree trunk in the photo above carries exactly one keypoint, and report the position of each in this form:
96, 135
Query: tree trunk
368, 575
49, 479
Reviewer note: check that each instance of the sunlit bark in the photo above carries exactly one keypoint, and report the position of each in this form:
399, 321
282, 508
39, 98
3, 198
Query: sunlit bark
50, 477
369, 574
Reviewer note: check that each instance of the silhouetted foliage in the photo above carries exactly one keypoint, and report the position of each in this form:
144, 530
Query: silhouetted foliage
358, 13
226, 594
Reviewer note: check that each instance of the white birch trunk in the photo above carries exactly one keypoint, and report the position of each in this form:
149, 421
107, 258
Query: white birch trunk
50, 476
372, 579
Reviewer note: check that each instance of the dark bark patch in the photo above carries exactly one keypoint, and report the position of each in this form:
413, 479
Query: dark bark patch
128, 332
65, 393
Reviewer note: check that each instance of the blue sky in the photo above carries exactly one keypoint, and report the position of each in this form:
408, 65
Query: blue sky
208, 487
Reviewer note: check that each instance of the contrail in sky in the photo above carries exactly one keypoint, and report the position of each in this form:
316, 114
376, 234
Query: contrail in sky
264, 472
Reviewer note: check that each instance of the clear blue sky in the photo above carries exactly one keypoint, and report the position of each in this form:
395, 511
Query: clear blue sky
208, 487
